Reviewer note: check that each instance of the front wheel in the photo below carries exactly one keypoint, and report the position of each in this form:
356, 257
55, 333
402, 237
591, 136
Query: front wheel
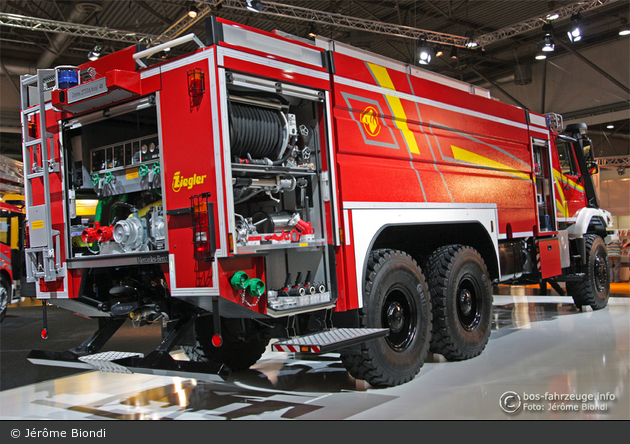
395, 297
594, 288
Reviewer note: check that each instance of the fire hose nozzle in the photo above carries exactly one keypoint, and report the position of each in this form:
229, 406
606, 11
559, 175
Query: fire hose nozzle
301, 225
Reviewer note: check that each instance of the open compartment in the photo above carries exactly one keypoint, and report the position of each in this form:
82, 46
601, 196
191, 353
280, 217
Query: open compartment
277, 193
115, 182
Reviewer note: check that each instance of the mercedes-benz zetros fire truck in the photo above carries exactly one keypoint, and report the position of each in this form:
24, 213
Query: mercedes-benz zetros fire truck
329, 199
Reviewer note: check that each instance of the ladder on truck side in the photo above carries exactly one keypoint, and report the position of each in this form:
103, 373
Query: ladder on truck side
43, 253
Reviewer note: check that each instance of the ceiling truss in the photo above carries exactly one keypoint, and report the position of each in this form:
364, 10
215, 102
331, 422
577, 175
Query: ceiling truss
294, 13
539, 22
75, 29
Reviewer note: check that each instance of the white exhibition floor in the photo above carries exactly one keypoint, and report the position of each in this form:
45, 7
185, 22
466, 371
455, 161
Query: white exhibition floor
540, 347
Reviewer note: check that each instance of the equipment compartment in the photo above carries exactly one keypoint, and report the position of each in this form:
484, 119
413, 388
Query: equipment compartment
114, 162
278, 206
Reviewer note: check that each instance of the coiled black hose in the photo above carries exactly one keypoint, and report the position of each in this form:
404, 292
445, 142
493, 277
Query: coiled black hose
256, 131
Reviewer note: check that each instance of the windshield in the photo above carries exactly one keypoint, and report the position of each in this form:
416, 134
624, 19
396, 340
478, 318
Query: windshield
565, 154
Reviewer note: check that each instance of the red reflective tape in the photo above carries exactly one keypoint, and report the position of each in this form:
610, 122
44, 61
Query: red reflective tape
315, 349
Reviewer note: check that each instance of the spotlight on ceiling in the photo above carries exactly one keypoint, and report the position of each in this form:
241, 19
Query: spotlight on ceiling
548, 45
425, 53
471, 42
574, 32
95, 53
552, 16
438, 51
192, 11
541, 56
255, 5
625, 28
610, 126
312, 32
453, 52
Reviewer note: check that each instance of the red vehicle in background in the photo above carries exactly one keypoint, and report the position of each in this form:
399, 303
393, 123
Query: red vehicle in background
12, 274
261, 187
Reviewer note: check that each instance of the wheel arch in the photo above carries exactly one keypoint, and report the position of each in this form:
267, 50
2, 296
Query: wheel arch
590, 221
420, 240
6, 275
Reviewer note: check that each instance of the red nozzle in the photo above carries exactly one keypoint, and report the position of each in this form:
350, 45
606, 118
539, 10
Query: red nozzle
304, 227
89, 235
104, 234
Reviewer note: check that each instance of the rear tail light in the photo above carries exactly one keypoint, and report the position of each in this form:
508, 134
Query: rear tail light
32, 129
27, 237
204, 244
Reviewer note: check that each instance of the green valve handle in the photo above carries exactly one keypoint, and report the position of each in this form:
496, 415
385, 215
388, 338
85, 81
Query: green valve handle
239, 280
156, 167
95, 179
255, 287
143, 170
108, 177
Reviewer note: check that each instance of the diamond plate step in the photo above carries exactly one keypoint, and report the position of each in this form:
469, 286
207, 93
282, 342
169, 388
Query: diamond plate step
330, 340
102, 361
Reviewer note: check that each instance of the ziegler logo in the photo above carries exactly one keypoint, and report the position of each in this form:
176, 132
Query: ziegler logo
369, 120
186, 182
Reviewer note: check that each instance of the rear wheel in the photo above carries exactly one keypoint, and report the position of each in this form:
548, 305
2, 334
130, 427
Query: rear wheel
396, 297
243, 343
5, 296
594, 288
461, 299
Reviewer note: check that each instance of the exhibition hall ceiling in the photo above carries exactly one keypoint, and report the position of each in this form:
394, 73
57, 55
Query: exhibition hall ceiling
508, 33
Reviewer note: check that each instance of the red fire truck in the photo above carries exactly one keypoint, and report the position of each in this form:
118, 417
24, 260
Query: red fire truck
262, 187
12, 285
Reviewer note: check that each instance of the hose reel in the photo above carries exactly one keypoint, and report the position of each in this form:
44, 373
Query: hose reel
256, 131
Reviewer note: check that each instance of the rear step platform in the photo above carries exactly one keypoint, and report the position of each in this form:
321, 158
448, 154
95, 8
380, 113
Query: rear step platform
329, 341
156, 363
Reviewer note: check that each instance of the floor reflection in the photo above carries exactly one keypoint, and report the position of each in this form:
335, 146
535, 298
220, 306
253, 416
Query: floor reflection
512, 317
537, 345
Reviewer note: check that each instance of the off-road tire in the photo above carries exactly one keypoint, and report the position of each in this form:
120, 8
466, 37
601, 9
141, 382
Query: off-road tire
461, 301
236, 352
594, 289
396, 297
5, 297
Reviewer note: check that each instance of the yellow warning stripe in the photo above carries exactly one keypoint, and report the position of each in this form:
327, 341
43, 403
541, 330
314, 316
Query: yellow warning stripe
561, 205
564, 179
476, 159
400, 118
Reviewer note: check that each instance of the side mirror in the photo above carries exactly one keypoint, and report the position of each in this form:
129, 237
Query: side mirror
592, 167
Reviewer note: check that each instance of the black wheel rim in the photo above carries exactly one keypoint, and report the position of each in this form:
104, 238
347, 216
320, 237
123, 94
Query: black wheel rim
468, 303
399, 315
601, 273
